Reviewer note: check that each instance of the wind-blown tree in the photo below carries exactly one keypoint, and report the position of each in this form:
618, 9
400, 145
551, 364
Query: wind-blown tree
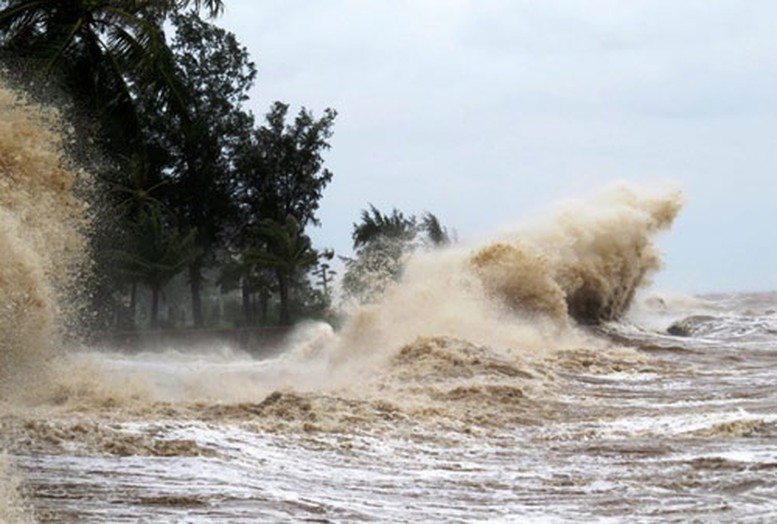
170, 120
111, 58
97, 50
281, 174
381, 243
435, 233
375, 225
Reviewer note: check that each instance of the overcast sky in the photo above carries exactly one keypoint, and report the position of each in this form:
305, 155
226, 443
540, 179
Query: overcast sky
486, 111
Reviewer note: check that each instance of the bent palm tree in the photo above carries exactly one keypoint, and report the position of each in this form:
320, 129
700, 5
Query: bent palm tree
100, 49
375, 225
436, 233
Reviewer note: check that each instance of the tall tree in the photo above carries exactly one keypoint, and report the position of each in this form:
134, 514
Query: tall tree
111, 58
325, 274
281, 174
282, 167
200, 129
137, 199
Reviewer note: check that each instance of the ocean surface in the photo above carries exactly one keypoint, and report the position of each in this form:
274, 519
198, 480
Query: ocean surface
646, 427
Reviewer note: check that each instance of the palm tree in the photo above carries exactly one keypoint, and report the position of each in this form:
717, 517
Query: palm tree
99, 49
118, 32
135, 196
436, 233
375, 225
157, 252
112, 58
139, 190
287, 251
381, 242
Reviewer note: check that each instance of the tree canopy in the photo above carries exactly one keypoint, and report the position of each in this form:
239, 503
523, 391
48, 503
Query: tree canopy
382, 242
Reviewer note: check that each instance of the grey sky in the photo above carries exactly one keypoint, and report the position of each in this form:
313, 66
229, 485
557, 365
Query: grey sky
485, 111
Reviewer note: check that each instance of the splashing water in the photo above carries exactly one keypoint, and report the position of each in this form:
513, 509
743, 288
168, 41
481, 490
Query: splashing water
41, 245
527, 291
588, 262
520, 296
13, 509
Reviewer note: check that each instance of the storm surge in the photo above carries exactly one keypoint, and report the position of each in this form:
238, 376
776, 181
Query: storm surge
13, 509
520, 295
41, 249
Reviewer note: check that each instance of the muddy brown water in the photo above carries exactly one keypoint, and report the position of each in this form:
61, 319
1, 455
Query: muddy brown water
682, 430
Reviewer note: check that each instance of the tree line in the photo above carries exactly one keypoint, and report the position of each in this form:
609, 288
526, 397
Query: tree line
189, 181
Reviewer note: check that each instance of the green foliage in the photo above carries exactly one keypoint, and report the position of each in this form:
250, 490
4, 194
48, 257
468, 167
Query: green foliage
435, 232
199, 129
101, 51
382, 243
287, 251
188, 179
112, 57
94, 50
376, 225
324, 274
156, 251
279, 183
281, 167
212, 7
140, 190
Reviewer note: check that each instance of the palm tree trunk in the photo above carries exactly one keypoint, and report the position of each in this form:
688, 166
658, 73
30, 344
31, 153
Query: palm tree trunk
154, 322
247, 302
133, 307
264, 305
195, 284
283, 292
